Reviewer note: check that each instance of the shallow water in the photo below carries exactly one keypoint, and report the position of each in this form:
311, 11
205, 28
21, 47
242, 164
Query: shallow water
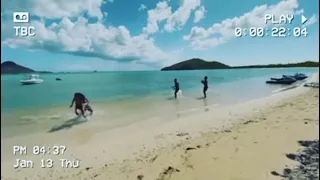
121, 98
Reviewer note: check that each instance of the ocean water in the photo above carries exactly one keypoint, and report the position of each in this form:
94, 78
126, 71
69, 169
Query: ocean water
120, 98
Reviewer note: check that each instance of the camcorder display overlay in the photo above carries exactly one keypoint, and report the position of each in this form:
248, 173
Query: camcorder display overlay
167, 89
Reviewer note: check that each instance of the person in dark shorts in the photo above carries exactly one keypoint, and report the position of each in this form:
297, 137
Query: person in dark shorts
205, 86
176, 88
81, 103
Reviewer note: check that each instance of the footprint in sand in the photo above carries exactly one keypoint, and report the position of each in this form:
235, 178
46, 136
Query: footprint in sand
140, 177
182, 134
166, 174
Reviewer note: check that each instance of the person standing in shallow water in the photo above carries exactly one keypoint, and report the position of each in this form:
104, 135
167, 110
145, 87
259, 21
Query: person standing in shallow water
176, 88
205, 86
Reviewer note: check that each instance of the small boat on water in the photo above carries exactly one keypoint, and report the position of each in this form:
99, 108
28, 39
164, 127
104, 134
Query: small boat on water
31, 79
276, 79
297, 76
287, 79
284, 80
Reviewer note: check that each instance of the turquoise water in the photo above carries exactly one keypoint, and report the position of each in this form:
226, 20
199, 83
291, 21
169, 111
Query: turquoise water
131, 96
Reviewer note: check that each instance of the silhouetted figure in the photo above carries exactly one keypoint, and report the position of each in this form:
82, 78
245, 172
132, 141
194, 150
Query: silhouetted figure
176, 88
81, 103
205, 86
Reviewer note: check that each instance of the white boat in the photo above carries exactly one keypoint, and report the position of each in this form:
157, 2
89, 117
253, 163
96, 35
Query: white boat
31, 79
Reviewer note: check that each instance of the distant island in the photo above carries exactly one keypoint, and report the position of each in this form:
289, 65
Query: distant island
199, 64
10, 67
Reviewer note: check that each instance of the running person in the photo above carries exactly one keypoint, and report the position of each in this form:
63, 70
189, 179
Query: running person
176, 88
205, 86
81, 103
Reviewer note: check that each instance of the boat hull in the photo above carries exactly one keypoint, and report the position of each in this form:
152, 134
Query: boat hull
280, 82
298, 77
287, 79
27, 82
276, 79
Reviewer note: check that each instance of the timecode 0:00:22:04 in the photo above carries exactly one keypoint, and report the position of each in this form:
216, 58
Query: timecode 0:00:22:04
275, 32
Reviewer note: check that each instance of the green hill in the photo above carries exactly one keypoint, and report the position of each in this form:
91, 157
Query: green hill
300, 64
199, 64
9, 67
196, 64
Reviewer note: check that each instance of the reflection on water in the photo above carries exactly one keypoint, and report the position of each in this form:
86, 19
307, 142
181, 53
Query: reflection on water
205, 104
177, 107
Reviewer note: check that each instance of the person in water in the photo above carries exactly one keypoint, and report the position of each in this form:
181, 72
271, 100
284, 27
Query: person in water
205, 86
81, 103
176, 88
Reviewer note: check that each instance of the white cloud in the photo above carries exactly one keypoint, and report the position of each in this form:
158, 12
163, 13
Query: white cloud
142, 7
173, 20
179, 18
199, 14
55, 8
299, 12
155, 16
202, 38
91, 40
105, 14
81, 38
314, 19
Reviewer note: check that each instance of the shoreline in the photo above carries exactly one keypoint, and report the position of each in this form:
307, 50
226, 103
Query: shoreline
21, 122
97, 150
220, 88
93, 71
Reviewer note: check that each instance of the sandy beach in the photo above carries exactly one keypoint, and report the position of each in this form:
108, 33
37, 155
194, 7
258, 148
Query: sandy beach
246, 141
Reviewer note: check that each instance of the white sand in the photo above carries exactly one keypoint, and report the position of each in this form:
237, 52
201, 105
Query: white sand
229, 149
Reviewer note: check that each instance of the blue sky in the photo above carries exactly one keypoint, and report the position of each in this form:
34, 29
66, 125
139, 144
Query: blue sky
81, 35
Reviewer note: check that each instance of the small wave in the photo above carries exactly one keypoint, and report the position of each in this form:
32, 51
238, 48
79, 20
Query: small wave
187, 110
55, 117
180, 94
29, 118
285, 88
35, 118
198, 108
